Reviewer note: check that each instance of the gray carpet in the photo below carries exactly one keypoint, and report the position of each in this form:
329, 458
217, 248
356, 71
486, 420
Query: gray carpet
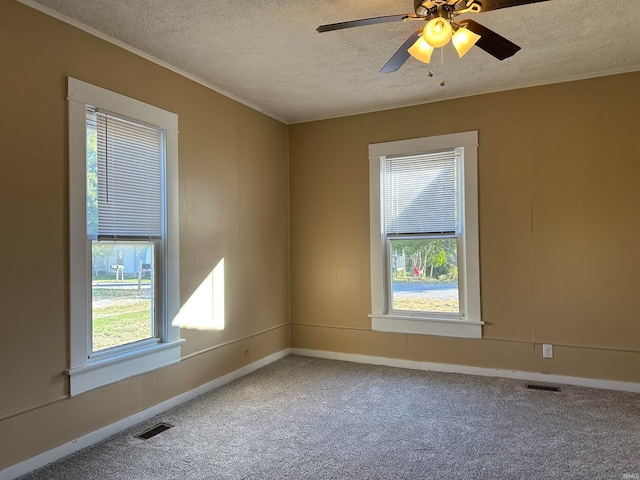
303, 418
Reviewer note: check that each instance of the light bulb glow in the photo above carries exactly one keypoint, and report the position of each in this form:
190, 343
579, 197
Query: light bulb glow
437, 32
463, 40
421, 50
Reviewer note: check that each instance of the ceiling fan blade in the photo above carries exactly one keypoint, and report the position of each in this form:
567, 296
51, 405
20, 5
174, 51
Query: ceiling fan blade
488, 5
490, 41
401, 56
363, 22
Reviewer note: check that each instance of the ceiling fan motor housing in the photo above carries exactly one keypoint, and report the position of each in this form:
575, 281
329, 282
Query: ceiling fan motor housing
443, 8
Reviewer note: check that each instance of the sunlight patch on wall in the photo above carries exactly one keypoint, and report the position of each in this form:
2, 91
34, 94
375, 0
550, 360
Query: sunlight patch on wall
204, 310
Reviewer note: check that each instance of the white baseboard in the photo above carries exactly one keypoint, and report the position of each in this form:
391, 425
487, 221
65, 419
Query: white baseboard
105, 432
480, 371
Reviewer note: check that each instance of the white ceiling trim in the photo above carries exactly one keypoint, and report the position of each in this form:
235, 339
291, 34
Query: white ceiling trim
146, 56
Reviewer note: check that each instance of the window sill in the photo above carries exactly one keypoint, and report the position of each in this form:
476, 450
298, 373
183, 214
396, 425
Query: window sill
124, 365
426, 326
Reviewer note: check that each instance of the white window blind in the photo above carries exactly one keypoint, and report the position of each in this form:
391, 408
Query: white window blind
421, 193
129, 179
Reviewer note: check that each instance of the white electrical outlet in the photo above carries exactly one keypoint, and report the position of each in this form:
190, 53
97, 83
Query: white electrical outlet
547, 350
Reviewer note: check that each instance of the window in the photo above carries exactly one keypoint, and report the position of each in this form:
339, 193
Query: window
123, 218
425, 275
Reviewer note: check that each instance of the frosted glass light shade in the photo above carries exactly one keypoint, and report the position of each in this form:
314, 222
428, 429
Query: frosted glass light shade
421, 50
437, 32
463, 40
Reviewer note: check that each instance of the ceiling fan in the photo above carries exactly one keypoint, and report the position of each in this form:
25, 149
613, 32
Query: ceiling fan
441, 28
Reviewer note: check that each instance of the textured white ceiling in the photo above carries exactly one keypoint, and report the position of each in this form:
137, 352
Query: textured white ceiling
268, 54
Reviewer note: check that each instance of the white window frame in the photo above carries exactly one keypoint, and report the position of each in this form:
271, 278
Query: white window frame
88, 371
468, 323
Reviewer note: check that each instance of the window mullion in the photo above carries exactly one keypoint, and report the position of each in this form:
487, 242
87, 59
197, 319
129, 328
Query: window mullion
420, 236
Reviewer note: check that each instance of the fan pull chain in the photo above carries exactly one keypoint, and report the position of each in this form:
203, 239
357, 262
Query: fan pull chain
442, 83
431, 74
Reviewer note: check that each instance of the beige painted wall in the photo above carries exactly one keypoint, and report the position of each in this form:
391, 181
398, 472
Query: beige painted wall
558, 220
559, 229
233, 205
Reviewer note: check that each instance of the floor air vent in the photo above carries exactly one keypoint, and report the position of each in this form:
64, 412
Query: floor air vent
543, 387
153, 431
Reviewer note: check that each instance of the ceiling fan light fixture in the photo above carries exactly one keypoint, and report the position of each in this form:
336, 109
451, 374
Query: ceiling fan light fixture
421, 50
437, 32
463, 40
